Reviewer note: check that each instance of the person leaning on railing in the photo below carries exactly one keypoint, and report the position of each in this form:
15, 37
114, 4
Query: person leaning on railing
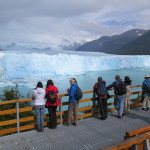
119, 97
39, 105
146, 93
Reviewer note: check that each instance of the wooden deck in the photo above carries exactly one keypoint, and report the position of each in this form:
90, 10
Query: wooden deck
91, 134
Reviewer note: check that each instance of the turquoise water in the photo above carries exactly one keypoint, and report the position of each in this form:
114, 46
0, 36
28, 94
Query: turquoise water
85, 81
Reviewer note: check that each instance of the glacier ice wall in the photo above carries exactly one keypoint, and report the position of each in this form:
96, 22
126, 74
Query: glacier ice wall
14, 65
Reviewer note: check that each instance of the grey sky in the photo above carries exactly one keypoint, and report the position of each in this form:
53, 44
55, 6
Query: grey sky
54, 21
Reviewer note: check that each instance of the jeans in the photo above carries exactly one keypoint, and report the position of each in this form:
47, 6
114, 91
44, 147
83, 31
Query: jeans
103, 107
52, 116
39, 111
119, 104
73, 107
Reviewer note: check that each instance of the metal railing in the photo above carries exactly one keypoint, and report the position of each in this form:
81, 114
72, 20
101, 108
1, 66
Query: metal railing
60, 114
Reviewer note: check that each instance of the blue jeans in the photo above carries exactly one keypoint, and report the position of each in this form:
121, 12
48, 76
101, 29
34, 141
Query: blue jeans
119, 104
39, 111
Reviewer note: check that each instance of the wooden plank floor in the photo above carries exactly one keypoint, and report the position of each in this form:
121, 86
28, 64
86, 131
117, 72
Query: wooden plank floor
91, 134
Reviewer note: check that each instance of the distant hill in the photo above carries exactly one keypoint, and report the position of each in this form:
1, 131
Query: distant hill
23, 47
111, 44
140, 46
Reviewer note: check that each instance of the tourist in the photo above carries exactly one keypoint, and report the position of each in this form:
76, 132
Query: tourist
73, 103
146, 93
39, 105
128, 85
100, 90
52, 102
119, 95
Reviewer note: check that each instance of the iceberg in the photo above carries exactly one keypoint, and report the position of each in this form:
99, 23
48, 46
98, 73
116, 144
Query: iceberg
21, 65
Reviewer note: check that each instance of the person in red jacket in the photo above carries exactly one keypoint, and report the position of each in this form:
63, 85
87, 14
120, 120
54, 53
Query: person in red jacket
52, 102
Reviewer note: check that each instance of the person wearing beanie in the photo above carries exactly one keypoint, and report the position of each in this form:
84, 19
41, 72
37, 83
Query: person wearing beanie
127, 82
119, 97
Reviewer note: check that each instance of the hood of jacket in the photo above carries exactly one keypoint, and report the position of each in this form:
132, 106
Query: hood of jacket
74, 84
102, 82
119, 80
147, 81
51, 88
39, 90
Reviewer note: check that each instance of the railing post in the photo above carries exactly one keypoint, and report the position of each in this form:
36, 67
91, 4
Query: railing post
134, 147
146, 145
18, 122
60, 110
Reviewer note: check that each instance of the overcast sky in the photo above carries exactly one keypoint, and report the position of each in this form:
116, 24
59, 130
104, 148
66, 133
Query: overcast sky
59, 21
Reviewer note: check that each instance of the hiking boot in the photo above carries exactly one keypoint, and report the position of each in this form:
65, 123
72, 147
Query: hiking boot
123, 114
75, 124
42, 130
102, 118
119, 117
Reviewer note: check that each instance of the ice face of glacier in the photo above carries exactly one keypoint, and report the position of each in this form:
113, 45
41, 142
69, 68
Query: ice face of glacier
14, 65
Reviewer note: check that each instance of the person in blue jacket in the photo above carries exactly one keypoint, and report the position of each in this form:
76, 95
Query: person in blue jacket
146, 93
119, 97
73, 103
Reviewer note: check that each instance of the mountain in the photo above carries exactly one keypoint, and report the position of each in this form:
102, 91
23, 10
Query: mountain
72, 46
108, 44
23, 47
140, 46
39, 47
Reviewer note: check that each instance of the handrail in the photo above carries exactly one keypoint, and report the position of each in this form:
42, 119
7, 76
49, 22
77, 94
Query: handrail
88, 110
137, 131
128, 143
60, 95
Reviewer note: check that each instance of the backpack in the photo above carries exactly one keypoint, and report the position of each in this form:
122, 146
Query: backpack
51, 97
78, 93
147, 88
101, 90
121, 89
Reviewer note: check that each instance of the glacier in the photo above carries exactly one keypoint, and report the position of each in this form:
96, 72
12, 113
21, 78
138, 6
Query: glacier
21, 65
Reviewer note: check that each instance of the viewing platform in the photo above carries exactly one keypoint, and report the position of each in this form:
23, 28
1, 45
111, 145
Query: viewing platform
91, 133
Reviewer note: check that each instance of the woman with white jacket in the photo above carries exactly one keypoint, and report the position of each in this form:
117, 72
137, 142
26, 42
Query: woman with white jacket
128, 84
39, 105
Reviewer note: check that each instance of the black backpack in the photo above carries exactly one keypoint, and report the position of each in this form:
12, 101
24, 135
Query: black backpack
121, 89
78, 95
101, 90
51, 97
